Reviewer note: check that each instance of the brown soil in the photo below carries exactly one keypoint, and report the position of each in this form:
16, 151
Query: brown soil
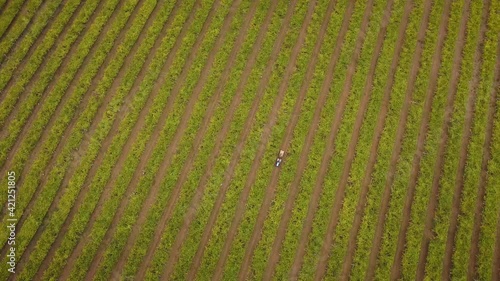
182, 234
431, 90
265, 137
174, 196
15, 148
38, 190
325, 89
346, 268
276, 248
438, 168
474, 250
330, 148
377, 240
466, 135
245, 133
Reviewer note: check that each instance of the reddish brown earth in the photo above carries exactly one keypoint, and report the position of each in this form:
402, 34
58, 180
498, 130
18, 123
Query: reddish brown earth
346, 268
377, 239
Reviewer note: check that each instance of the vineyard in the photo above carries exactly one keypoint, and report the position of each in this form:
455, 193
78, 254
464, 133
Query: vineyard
141, 139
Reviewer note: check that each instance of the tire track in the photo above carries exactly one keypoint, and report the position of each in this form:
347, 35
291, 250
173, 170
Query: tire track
330, 148
377, 240
325, 88
466, 136
38, 190
276, 248
474, 250
271, 187
49, 89
188, 218
172, 201
438, 168
248, 123
360, 208
436, 64
55, 203
264, 139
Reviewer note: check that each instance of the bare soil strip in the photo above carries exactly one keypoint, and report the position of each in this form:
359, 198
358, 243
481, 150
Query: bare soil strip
62, 144
248, 124
47, 91
172, 201
264, 139
438, 168
149, 148
113, 130
32, 200
273, 183
346, 268
276, 248
466, 135
377, 240
21, 11
28, 26
330, 148
436, 64
15, 148
483, 180
188, 218
313, 204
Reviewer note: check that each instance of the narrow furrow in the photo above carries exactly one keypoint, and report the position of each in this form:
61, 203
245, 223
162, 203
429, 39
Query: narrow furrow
12, 13
151, 143
466, 136
186, 116
191, 212
305, 87
363, 197
438, 166
242, 138
330, 147
396, 270
263, 143
488, 150
54, 90
29, 201
36, 23
377, 239
83, 103
313, 204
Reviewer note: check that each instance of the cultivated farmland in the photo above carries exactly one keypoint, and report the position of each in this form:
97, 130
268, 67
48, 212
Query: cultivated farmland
139, 140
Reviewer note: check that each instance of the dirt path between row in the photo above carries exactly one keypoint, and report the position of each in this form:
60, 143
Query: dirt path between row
483, 180
420, 147
21, 11
377, 239
245, 133
276, 248
38, 189
264, 139
363, 196
174, 196
466, 136
438, 168
328, 241
189, 217
325, 89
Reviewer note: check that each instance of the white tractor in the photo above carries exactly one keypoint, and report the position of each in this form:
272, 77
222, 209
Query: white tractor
280, 158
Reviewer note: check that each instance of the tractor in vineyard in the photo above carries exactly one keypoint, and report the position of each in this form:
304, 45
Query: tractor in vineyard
280, 158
